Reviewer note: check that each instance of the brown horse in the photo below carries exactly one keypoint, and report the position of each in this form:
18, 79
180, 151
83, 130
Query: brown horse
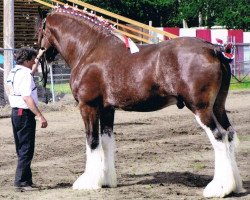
105, 76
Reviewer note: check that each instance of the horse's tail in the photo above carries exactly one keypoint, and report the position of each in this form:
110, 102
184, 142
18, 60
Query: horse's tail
219, 105
226, 71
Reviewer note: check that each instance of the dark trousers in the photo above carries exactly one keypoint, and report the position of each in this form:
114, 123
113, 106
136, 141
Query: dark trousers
24, 128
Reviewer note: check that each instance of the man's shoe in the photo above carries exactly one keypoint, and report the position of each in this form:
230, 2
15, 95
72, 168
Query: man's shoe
26, 189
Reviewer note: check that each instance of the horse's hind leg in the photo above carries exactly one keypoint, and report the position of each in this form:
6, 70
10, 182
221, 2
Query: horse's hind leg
226, 176
93, 177
221, 118
108, 144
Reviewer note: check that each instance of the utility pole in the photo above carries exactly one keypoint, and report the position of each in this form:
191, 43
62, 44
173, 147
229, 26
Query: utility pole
8, 38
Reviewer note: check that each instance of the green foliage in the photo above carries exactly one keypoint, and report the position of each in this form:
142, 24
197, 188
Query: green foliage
161, 12
232, 14
191, 9
236, 15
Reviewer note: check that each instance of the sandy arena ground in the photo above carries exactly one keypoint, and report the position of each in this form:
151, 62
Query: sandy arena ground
159, 155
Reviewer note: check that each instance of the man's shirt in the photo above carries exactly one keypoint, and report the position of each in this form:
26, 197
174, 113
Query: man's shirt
22, 85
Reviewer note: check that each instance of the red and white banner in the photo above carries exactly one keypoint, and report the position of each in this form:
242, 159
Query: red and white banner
209, 35
204, 34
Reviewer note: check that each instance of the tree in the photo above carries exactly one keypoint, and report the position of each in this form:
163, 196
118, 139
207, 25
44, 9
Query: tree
233, 14
161, 12
200, 12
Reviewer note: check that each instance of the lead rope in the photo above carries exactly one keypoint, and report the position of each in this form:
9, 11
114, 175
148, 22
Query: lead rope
44, 67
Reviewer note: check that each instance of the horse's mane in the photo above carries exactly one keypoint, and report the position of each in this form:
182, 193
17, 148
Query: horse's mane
91, 20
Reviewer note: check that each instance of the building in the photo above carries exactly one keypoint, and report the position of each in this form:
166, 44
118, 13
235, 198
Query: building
25, 15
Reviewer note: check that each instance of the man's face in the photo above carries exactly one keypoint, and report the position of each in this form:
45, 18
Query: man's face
30, 63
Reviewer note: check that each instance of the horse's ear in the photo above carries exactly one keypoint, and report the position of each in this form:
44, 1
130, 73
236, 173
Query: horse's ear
42, 13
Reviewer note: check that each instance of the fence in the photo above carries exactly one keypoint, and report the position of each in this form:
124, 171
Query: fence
58, 80
241, 64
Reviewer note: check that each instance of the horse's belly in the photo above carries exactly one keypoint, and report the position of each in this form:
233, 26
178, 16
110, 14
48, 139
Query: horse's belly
151, 104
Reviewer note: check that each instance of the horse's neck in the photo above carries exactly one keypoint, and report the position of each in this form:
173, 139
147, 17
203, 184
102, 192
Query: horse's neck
74, 46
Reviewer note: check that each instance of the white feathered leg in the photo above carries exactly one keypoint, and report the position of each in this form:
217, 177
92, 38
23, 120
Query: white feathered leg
237, 177
93, 177
108, 144
226, 174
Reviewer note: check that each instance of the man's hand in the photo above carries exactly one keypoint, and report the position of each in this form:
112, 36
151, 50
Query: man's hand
43, 121
40, 53
35, 66
32, 106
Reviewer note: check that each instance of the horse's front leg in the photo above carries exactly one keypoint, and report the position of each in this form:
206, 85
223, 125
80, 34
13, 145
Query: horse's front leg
93, 177
108, 144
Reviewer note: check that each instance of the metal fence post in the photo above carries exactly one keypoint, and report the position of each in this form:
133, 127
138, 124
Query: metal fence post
235, 49
52, 83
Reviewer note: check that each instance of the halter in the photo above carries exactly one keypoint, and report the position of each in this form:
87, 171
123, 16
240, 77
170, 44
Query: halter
42, 60
43, 31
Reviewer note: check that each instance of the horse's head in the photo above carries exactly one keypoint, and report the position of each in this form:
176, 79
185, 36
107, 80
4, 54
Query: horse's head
45, 40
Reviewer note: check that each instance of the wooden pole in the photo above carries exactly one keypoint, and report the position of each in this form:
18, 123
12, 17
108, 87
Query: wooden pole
8, 35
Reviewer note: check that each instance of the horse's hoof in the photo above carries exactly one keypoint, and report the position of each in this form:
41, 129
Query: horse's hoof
86, 182
110, 179
216, 189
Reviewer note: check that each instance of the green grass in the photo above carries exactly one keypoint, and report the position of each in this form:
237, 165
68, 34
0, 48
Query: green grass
62, 88
198, 166
244, 85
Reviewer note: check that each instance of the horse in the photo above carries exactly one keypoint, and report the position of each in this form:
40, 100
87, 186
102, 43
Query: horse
106, 76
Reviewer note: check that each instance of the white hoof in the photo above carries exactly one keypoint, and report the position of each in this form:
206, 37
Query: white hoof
110, 179
216, 189
86, 182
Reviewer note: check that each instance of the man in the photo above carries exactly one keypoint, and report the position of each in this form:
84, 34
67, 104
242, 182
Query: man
23, 100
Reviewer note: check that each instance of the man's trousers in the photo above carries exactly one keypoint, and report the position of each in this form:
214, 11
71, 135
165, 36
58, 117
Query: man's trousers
24, 128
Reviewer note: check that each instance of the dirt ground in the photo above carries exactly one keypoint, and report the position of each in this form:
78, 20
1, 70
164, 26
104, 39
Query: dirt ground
159, 155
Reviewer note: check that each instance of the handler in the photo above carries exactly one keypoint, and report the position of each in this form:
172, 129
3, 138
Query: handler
23, 100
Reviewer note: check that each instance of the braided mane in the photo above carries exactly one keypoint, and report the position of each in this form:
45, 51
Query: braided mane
87, 17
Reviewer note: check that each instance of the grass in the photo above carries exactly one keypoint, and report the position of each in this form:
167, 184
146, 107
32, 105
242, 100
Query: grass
62, 88
244, 85
198, 166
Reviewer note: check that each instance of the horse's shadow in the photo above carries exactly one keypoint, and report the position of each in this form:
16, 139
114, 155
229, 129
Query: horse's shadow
179, 178
57, 186
165, 178
184, 178
131, 123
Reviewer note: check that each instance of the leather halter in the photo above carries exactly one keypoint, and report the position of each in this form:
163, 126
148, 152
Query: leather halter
42, 60
44, 33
